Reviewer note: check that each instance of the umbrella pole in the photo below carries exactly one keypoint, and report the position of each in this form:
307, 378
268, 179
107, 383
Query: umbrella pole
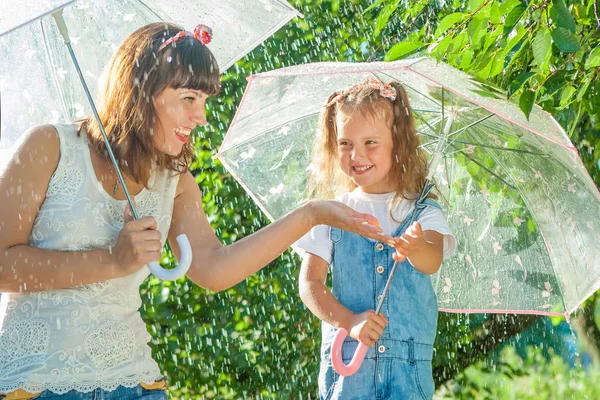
435, 160
62, 28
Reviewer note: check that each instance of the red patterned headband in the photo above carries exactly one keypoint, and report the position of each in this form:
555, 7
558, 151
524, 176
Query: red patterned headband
385, 90
201, 33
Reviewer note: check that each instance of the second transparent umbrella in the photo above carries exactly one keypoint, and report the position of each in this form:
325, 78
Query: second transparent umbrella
521, 204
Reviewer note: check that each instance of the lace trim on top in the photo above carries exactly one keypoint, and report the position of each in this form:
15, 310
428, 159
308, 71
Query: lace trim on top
89, 336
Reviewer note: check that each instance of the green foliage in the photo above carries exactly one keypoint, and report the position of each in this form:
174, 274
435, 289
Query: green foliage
257, 340
542, 52
537, 377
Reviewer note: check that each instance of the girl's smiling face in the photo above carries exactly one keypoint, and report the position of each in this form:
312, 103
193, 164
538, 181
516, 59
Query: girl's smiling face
178, 112
365, 151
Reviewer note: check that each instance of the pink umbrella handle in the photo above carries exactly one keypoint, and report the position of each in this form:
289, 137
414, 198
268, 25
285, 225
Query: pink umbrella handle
336, 355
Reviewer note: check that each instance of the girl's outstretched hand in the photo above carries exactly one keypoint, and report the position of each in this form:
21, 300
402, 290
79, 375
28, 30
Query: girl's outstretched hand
367, 327
336, 214
409, 243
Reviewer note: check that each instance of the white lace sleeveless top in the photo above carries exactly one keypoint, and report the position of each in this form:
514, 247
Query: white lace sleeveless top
89, 336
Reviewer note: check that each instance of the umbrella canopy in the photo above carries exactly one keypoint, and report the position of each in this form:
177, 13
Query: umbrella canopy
38, 83
15, 14
524, 210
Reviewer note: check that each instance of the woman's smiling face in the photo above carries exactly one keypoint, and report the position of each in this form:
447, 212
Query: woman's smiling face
178, 112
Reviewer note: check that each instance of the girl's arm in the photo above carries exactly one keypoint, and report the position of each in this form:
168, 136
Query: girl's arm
216, 267
23, 184
424, 249
366, 327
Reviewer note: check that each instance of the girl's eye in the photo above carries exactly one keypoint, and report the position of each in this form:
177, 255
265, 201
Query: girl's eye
189, 99
342, 144
371, 142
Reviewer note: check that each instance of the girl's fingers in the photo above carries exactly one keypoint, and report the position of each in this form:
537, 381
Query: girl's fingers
375, 329
398, 257
380, 320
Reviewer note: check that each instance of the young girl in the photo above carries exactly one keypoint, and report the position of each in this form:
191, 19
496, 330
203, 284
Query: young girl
367, 153
71, 264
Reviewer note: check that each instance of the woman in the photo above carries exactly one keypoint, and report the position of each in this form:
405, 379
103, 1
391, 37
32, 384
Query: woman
71, 260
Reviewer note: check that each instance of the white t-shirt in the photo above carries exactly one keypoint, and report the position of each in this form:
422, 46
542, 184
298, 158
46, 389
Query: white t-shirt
317, 240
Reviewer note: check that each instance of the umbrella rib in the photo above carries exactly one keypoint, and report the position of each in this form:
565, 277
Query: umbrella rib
483, 166
470, 125
426, 123
500, 148
48, 54
533, 215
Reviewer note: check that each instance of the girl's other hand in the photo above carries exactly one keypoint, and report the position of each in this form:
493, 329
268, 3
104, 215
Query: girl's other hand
138, 243
409, 243
367, 327
338, 215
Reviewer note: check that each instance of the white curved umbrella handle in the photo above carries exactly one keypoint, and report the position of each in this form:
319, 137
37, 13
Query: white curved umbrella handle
184, 262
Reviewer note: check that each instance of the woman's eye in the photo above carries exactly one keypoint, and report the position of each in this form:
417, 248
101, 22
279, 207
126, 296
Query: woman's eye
189, 99
371, 142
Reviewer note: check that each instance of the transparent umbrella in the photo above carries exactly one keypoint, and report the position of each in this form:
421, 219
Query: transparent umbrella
524, 210
38, 82
43, 86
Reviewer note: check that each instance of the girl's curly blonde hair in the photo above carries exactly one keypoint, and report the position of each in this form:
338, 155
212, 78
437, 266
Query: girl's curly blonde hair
327, 180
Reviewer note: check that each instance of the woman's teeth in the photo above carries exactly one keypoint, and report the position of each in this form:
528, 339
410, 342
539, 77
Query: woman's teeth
362, 169
181, 131
182, 134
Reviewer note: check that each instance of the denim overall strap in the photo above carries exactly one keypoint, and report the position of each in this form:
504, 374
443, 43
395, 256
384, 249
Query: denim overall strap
360, 268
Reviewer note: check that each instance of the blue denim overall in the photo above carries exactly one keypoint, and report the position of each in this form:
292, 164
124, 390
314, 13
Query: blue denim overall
399, 365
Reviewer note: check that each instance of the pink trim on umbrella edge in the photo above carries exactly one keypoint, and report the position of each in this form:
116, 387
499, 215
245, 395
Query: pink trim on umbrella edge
524, 312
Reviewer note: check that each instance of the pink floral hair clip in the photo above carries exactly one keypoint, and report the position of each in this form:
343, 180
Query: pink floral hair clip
202, 33
385, 90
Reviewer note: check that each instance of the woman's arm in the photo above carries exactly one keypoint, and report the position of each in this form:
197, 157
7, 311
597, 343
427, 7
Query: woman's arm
217, 268
23, 185
366, 326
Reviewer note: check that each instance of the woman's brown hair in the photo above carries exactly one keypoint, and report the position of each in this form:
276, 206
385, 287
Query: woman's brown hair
409, 172
137, 73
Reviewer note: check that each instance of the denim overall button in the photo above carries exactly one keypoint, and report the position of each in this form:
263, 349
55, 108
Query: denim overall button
379, 246
379, 297
380, 269
381, 348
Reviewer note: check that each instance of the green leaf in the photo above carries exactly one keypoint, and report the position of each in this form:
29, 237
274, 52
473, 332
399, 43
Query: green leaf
566, 95
474, 4
565, 40
447, 22
372, 6
442, 46
593, 59
495, 17
561, 16
384, 16
526, 102
583, 88
542, 47
513, 17
465, 60
401, 49
518, 82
